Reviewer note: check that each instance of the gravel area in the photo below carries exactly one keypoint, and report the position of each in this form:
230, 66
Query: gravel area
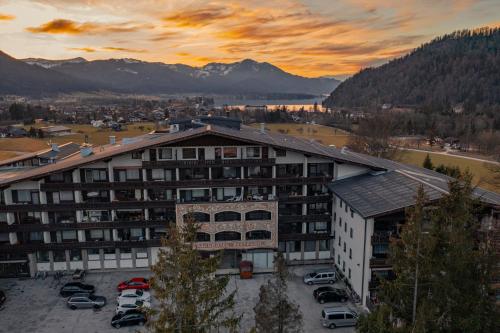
35, 305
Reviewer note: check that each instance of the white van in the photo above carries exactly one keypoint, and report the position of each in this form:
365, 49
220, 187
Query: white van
338, 317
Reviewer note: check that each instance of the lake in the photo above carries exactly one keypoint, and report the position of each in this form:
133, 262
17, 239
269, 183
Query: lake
291, 104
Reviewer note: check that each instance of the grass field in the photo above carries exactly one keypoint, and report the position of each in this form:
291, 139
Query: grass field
323, 134
482, 175
96, 136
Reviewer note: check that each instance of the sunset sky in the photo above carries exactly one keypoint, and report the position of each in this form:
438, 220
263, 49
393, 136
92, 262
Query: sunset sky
310, 38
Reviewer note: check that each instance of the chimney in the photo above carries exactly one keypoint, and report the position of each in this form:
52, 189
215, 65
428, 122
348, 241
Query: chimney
112, 139
55, 147
263, 128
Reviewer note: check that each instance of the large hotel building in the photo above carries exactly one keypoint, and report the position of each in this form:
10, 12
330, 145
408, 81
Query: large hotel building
253, 192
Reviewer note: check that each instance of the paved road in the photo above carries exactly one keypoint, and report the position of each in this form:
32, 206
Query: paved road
449, 152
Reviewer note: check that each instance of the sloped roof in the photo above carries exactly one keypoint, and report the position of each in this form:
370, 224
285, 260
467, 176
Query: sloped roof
64, 151
246, 134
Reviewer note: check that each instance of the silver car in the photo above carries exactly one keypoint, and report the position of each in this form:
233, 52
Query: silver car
86, 301
320, 276
338, 316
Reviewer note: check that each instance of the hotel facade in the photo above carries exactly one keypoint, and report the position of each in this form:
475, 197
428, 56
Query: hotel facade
253, 193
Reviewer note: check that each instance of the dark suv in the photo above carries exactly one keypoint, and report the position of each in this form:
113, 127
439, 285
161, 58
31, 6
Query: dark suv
76, 287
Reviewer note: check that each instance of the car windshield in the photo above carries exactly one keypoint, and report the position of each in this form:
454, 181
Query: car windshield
312, 274
92, 297
139, 303
138, 292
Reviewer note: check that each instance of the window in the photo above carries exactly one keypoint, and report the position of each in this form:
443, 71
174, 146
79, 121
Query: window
230, 152
320, 226
158, 174
202, 237
126, 253
197, 216
253, 152
350, 253
340, 239
282, 246
345, 247
69, 235
227, 216
109, 253
352, 213
42, 256
256, 215
336, 316
351, 232
189, 153
227, 236
335, 217
324, 245
165, 154
137, 155
96, 175
75, 255
345, 208
293, 246
345, 227
309, 246
349, 276
133, 174
343, 266
348, 315
258, 234
340, 222
340, 203
338, 259
280, 152
59, 256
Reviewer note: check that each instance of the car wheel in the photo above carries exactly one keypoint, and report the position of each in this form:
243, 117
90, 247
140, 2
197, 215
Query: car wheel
116, 326
141, 323
310, 283
72, 307
332, 326
96, 307
321, 301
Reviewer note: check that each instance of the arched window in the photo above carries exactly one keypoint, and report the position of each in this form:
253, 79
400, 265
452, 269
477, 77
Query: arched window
227, 236
227, 216
258, 215
202, 237
197, 216
258, 234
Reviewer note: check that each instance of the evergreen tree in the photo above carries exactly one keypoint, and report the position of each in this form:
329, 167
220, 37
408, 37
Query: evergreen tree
275, 313
428, 163
191, 298
442, 275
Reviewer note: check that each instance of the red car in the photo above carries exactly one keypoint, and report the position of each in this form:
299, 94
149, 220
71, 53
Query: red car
134, 283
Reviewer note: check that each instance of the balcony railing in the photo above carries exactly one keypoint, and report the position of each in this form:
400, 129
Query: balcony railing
208, 163
304, 199
189, 183
304, 218
304, 237
82, 225
380, 263
89, 205
78, 245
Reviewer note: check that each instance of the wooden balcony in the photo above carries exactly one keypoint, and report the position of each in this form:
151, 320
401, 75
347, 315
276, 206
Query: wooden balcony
304, 237
193, 183
304, 199
380, 263
208, 163
82, 225
27, 248
138, 204
305, 218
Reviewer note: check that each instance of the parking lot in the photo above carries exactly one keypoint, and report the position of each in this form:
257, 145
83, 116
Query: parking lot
35, 305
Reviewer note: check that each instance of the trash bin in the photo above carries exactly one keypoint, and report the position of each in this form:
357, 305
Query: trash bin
246, 269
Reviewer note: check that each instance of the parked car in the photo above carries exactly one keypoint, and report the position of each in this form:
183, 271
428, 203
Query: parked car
71, 288
332, 296
319, 290
134, 283
131, 304
320, 276
86, 301
3, 298
128, 318
338, 316
136, 294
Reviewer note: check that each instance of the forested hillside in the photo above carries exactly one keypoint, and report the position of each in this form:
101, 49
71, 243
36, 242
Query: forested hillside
459, 69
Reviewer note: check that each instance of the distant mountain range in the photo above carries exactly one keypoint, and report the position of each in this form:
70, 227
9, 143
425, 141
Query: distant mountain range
35, 76
462, 68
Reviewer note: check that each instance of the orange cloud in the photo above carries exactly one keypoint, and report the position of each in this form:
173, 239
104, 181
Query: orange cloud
6, 17
122, 49
62, 26
83, 49
198, 17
